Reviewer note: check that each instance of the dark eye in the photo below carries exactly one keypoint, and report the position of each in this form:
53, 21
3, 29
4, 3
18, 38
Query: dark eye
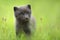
21, 13
27, 12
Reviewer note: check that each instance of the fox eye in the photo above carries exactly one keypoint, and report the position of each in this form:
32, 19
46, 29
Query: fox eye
22, 13
27, 12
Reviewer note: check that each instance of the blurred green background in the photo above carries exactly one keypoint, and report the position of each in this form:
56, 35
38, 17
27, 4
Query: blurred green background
46, 12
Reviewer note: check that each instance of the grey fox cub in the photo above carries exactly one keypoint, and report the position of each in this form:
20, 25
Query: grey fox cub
24, 20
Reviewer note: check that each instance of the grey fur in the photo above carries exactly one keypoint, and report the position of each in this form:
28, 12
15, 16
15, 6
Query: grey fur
24, 20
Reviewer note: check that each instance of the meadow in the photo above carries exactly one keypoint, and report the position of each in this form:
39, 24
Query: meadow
46, 12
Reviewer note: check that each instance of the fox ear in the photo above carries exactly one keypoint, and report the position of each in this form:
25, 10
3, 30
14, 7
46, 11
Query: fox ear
15, 8
29, 6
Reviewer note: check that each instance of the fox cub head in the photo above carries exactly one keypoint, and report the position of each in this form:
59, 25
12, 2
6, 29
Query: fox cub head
23, 13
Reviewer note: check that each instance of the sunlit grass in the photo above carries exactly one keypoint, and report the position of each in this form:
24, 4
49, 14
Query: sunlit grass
47, 14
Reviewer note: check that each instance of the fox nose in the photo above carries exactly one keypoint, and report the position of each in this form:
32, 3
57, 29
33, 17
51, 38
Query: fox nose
26, 18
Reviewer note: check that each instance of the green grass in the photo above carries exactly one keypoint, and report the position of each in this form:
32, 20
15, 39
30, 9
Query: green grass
46, 12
